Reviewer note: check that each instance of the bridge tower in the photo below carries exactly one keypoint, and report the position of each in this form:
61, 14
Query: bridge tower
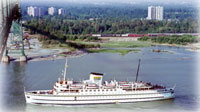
15, 44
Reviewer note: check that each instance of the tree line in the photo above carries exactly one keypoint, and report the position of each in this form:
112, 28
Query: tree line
78, 29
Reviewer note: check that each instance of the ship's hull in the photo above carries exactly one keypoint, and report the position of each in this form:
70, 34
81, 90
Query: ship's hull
97, 99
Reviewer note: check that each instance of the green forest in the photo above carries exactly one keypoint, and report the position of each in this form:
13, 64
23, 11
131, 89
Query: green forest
72, 29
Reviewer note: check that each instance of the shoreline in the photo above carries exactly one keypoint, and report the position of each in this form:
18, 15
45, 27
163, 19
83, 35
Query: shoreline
195, 47
44, 54
53, 57
39, 53
80, 53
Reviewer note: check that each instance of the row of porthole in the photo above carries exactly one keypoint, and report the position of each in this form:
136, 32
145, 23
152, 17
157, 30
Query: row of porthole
98, 90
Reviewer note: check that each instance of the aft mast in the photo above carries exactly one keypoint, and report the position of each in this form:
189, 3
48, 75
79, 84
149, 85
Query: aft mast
65, 69
138, 70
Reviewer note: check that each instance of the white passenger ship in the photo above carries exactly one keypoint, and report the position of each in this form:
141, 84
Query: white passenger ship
93, 91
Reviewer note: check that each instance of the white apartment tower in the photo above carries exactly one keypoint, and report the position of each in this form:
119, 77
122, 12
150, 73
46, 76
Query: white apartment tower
30, 11
51, 11
61, 11
155, 13
34, 11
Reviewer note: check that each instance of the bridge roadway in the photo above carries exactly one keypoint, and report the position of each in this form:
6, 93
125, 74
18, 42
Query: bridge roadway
9, 11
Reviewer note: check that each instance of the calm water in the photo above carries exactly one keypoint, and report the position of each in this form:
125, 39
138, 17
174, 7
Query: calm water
164, 68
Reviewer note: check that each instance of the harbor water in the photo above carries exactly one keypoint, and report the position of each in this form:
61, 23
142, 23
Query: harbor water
176, 67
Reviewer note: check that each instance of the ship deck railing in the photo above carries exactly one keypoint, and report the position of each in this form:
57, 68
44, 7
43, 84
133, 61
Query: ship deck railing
47, 92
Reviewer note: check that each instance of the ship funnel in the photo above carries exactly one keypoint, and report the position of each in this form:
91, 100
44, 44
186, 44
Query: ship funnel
96, 78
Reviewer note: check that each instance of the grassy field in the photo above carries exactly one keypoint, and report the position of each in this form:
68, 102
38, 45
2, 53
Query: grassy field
97, 47
59, 46
125, 44
73, 45
121, 51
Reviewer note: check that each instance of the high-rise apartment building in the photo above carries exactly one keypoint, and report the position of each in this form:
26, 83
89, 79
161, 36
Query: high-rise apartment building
34, 11
155, 13
30, 11
61, 11
51, 11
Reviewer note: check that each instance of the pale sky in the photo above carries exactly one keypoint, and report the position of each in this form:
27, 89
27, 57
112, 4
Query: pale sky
120, 1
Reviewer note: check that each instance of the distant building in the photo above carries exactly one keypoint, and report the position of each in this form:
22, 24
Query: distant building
155, 13
30, 11
51, 11
34, 11
151, 13
61, 11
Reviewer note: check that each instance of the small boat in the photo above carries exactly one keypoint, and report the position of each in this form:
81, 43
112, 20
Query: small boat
95, 91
